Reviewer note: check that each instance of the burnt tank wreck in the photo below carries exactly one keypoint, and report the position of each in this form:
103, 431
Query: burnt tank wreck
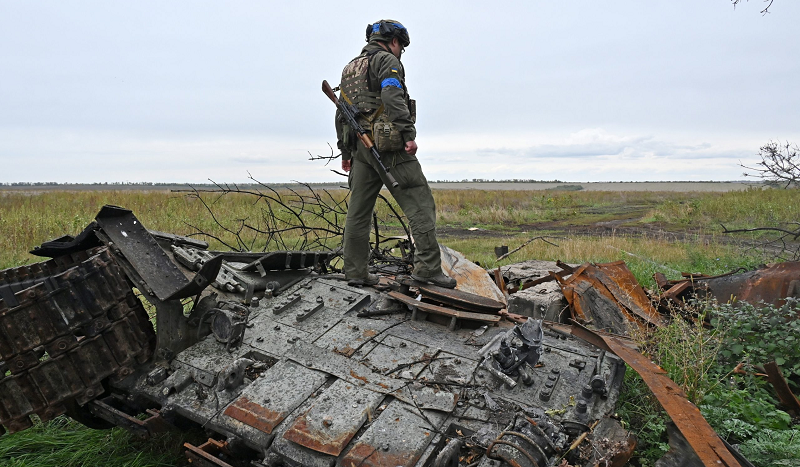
283, 364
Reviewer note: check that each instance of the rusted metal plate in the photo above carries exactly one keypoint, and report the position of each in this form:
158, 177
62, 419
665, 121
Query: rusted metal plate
772, 284
785, 394
596, 306
626, 289
334, 418
254, 415
274, 395
687, 417
439, 310
675, 290
460, 299
381, 444
470, 277
608, 296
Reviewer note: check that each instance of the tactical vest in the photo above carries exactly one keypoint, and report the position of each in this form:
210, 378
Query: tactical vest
355, 88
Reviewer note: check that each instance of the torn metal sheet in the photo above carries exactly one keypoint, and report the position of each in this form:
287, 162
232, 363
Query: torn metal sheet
470, 277
158, 274
708, 446
771, 284
609, 297
440, 310
460, 299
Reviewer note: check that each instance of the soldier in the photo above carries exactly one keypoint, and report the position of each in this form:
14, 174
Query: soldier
375, 83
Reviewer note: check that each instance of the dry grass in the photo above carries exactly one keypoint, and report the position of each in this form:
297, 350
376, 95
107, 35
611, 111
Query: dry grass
27, 219
644, 256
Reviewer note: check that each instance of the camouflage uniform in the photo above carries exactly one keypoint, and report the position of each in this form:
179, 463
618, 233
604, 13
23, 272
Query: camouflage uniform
366, 178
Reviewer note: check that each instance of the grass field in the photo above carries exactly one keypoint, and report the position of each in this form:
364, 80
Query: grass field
665, 231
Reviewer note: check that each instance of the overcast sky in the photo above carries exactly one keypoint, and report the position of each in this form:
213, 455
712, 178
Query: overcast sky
185, 91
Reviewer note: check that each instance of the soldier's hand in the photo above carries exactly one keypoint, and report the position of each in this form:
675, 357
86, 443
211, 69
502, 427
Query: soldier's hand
346, 165
411, 148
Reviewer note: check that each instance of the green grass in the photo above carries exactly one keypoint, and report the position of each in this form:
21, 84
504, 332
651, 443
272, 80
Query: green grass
65, 443
735, 209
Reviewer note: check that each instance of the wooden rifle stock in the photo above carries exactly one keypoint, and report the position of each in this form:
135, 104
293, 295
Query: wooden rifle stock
362, 134
328, 90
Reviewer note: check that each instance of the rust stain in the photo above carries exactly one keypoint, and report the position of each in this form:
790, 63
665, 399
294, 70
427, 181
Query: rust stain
305, 435
623, 452
347, 351
254, 415
356, 376
366, 455
205, 454
687, 417
368, 333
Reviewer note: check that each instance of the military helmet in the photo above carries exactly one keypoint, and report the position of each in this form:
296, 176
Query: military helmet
386, 29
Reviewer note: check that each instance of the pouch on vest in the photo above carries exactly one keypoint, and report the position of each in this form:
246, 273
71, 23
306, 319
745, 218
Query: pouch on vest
386, 135
347, 136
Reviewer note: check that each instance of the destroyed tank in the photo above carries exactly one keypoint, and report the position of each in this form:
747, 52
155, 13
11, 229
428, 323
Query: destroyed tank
284, 364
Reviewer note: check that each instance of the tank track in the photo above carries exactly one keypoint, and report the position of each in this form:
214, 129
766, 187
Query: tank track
65, 326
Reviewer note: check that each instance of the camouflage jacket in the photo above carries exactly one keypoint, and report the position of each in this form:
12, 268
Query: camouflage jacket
386, 73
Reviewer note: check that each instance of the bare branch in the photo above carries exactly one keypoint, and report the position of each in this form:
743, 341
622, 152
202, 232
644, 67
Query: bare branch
763, 12
780, 164
542, 238
783, 246
792, 233
327, 159
292, 219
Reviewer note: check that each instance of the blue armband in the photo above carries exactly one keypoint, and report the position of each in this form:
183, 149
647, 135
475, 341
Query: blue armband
391, 82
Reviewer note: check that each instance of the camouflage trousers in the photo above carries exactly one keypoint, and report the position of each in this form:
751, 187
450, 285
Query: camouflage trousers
415, 199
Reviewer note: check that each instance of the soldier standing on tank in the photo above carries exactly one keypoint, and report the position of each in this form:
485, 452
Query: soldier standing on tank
375, 83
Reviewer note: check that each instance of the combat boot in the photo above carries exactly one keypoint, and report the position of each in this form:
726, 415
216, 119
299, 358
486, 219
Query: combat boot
371, 279
441, 280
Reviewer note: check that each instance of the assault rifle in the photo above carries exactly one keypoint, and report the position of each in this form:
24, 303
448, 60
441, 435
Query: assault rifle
349, 112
